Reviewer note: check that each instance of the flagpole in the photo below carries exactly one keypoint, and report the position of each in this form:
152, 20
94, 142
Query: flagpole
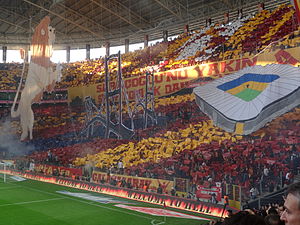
296, 4
165, 218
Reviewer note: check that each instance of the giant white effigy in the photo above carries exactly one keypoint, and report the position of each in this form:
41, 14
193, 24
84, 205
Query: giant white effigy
41, 76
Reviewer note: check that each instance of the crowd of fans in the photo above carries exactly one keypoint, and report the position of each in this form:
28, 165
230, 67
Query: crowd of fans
188, 146
286, 211
240, 38
199, 152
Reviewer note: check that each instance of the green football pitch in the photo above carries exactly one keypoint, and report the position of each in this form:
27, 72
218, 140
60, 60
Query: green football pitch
29, 202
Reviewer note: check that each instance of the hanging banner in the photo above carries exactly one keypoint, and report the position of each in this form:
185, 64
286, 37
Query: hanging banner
136, 182
206, 193
62, 171
172, 81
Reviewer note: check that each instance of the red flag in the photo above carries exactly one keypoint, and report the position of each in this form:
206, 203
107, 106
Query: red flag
296, 4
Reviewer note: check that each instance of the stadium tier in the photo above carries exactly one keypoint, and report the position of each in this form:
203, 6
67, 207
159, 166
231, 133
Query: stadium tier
192, 129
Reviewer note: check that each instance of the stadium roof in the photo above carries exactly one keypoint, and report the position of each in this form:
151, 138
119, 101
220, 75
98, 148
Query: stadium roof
94, 22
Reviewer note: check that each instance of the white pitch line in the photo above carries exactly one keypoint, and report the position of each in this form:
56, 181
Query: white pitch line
158, 223
8, 188
30, 202
89, 203
10, 182
94, 204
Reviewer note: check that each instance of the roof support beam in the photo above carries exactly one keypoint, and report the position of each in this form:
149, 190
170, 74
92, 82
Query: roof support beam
174, 7
124, 13
24, 18
227, 3
82, 17
66, 19
13, 24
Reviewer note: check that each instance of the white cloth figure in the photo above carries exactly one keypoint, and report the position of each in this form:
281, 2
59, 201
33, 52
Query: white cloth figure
40, 78
120, 165
266, 171
254, 192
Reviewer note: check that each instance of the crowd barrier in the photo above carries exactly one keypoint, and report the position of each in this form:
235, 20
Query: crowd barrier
167, 201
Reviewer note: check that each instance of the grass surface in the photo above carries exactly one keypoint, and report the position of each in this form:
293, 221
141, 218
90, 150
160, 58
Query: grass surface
36, 203
248, 94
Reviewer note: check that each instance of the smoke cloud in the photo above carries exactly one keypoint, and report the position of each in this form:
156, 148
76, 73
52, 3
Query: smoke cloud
10, 142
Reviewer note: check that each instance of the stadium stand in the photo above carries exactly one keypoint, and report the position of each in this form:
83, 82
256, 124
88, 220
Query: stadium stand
185, 146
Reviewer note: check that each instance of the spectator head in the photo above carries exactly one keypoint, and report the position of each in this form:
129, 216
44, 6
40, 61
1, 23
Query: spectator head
280, 209
230, 213
244, 218
272, 210
273, 219
291, 214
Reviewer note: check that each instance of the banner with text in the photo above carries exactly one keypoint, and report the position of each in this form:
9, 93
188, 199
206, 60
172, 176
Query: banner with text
63, 171
172, 81
206, 193
136, 182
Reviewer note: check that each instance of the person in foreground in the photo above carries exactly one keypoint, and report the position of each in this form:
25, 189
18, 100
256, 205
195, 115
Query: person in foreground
291, 213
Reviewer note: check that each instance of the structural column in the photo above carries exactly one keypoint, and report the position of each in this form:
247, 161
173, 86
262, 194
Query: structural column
208, 22
68, 53
107, 48
226, 18
186, 28
261, 7
126, 45
165, 35
240, 13
88, 51
4, 54
26, 54
146, 40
